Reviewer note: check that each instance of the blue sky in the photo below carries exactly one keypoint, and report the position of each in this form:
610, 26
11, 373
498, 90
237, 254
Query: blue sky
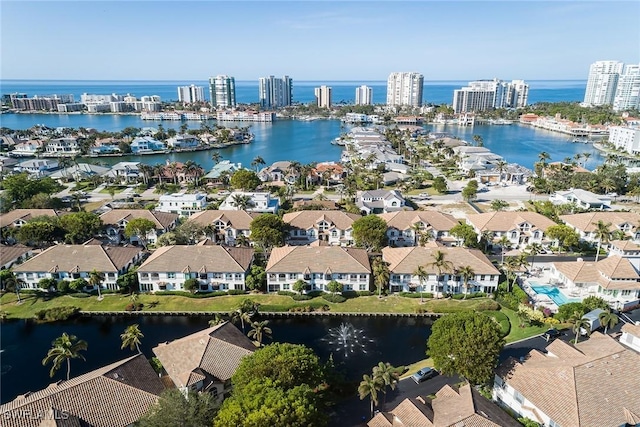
314, 40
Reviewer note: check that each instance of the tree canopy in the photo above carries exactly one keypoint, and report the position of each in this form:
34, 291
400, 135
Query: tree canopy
268, 230
466, 234
20, 188
139, 227
467, 344
172, 409
245, 180
80, 226
370, 232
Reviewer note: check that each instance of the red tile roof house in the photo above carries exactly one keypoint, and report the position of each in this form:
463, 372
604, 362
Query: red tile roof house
594, 383
70, 262
205, 361
116, 395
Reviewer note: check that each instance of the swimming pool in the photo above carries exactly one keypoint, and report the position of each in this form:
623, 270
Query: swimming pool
554, 293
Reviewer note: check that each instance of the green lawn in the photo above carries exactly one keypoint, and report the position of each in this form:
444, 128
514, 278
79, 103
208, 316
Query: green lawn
415, 367
518, 333
116, 190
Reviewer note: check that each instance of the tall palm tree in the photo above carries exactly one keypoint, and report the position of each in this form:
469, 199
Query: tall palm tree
467, 274
608, 319
504, 243
543, 157
240, 316
217, 320
580, 322
381, 274
216, 157
423, 276
95, 279
131, 337
370, 386
259, 330
387, 375
257, 161
601, 233
501, 166
534, 249
441, 264
240, 201
63, 349
586, 156
173, 168
12, 284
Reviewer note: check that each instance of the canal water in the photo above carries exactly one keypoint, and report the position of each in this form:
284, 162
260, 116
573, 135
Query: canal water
399, 341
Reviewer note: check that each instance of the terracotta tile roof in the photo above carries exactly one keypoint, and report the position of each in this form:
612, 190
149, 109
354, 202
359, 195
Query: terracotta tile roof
407, 260
631, 329
238, 220
80, 258
114, 395
590, 385
308, 219
625, 245
318, 258
212, 354
10, 253
586, 222
162, 220
403, 220
614, 272
506, 221
25, 215
195, 258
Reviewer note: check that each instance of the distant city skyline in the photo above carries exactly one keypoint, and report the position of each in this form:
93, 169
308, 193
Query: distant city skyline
314, 40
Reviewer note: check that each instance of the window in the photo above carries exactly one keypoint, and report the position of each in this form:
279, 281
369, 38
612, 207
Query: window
282, 277
237, 276
353, 277
307, 277
203, 276
553, 423
171, 275
228, 276
144, 276
362, 287
482, 277
518, 397
514, 235
292, 276
286, 286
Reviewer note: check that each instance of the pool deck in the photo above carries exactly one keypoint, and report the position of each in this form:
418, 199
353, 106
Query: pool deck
541, 276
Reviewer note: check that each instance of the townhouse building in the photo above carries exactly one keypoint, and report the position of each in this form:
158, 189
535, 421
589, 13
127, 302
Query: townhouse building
520, 228
225, 226
623, 223
413, 228
328, 227
115, 221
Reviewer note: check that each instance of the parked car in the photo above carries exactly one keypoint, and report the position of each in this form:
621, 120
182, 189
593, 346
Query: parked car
551, 335
423, 375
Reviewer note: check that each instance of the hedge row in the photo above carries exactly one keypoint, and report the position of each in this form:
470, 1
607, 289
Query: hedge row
337, 298
56, 313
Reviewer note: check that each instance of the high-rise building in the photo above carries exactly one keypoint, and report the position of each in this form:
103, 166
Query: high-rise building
364, 95
482, 95
275, 92
628, 90
602, 82
190, 94
222, 91
405, 89
323, 96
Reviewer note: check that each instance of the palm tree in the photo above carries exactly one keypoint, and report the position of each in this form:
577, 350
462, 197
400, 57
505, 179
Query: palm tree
586, 156
467, 274
534, 249
387, 375
602, 234
478, 140
95, 279
259, 330
579, 323
64, 348
370, 386
217, 320
257, 161
240, 201
381, 274
216, 157
608, 319
504, 242
131, 337
173, 167
501, 166
240, 316
543, 157
441, 264
423, 276
11, 283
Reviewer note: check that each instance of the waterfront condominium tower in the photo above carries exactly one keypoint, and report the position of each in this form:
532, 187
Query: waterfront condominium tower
275, 92
222, 91
602, 82
364, 95
405, 89
482, 95
323, 96
189, 94
628, 90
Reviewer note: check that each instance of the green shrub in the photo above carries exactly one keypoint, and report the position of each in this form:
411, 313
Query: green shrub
469, 296
287, 293
502, 320
79, 295
565, 311
335, 298
63, 286
301, 297
237, 292
488, 305
314, 294
427, 295
350, 294
56, 314
190, 295
364, 293
511, 299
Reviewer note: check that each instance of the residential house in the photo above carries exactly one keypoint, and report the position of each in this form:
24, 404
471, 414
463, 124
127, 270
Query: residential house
613, 279
626, 249
221, 169
183, 141
7, 164
631, 335
19, 217
330, 173
625, 223
70, 262
217, 268
80, 171
146, 144
593, 383
408, 228
380, 201
105, 146
37, 168
62, 147
521, 228
116, 395
450, 407
124, 172
404, 262
205, 361
182, 204
251, 202
581, 198
330, 227
116, 220
317, 266
228, 225
10, 255
28, 148
476, 158
279, 172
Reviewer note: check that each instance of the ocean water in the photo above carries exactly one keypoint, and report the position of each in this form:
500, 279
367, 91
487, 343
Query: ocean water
435, 92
